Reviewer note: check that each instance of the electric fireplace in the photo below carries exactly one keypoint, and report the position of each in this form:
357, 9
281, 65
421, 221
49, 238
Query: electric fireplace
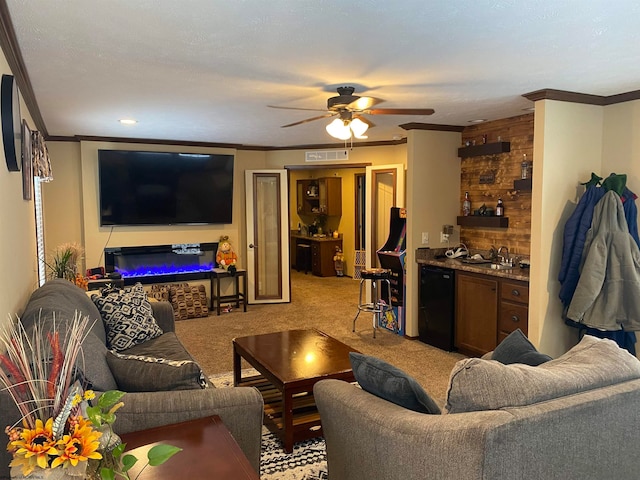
161, 263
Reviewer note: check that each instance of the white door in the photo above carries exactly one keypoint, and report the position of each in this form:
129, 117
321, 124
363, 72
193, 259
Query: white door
385, 189
267, 213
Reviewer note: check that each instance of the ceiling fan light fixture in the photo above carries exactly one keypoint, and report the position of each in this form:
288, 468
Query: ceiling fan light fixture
339, 129
358, 127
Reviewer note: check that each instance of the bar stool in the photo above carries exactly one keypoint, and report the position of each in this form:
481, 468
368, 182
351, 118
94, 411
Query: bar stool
378, 278
303, 257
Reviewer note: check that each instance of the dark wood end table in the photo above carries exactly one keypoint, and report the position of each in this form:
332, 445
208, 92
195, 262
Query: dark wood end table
238, 296
208, 451
290, 363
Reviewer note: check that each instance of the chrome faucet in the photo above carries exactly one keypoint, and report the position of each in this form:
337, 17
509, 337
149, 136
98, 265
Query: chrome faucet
504, 259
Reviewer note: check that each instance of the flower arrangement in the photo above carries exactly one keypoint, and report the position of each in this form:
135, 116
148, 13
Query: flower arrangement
60, 427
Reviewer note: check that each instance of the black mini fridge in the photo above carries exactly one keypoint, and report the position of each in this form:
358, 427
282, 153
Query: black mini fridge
436, 307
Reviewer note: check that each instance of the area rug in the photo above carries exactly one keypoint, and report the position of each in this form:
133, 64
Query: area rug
308, 460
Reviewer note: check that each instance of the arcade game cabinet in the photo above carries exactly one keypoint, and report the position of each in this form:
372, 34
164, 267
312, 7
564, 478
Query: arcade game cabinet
392, 256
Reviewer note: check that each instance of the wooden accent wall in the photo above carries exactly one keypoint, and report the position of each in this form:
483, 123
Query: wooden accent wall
506, 168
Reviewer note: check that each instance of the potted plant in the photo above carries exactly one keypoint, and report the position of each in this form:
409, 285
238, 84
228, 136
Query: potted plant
61, 434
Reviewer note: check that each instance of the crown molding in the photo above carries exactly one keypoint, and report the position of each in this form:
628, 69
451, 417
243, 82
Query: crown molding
575, 97
236, 146
431, 126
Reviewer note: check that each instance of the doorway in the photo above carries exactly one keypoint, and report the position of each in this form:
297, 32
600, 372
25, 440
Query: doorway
267, 218
349, 224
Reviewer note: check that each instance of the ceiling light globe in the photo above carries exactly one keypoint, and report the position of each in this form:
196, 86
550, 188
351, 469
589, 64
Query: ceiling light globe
358, 127
337, 129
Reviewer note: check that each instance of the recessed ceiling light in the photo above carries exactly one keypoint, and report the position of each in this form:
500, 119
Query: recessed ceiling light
479, 120
128, 121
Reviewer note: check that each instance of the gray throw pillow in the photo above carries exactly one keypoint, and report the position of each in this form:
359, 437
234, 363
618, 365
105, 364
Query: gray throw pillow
127, 316
386, 381
517, 348
161, 364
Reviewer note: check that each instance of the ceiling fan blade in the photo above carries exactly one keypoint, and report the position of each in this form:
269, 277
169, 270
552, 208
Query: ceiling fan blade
365, 120
364, 103
400, 111
309, 120
297, 108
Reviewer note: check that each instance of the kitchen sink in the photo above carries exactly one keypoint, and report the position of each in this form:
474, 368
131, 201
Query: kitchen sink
495, 266
475, 261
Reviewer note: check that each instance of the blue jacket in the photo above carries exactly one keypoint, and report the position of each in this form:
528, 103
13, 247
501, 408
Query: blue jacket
575, 233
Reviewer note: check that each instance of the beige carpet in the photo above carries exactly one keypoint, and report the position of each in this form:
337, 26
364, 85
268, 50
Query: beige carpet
328, 304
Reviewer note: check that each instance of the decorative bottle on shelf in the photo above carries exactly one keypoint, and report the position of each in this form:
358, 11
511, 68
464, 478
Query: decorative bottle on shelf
524, 167
466, 205
500, 208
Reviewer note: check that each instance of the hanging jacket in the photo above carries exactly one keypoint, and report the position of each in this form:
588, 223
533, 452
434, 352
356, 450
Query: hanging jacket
607, 293
575, 233
631, 213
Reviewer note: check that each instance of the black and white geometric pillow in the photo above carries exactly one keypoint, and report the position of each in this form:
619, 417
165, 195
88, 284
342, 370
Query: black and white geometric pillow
127, 316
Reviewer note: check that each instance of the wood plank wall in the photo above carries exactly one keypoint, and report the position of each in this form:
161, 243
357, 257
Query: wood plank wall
506, 168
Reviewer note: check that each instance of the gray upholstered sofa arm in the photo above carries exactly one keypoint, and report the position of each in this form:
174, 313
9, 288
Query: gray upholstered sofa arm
241, 410
163, 313
368, 437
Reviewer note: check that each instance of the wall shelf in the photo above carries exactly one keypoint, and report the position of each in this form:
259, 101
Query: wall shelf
483, 221
484, 149
524, 185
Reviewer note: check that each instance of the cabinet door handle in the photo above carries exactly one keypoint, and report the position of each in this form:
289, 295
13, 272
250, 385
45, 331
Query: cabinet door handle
515, 318
515, 293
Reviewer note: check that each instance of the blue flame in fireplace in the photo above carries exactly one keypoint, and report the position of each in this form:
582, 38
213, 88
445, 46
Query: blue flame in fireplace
150, 271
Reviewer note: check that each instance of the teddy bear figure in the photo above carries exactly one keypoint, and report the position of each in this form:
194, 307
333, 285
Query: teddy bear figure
225, 256
338, 262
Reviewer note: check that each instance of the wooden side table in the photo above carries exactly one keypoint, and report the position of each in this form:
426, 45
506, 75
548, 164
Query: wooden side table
208, 451
237, 297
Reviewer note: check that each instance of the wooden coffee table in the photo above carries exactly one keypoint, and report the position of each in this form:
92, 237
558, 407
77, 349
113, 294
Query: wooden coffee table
208, 451
290, 363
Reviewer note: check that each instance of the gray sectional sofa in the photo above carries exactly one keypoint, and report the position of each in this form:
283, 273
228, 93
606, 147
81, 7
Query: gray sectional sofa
241, 409
575, 417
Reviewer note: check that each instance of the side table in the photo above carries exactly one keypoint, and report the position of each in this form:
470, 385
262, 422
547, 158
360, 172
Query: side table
208, 451
237, 297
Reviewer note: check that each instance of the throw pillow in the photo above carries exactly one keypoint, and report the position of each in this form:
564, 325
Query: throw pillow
160, 364
127, 316
189, 301
386, 381
517, 348
160, 292
477, 384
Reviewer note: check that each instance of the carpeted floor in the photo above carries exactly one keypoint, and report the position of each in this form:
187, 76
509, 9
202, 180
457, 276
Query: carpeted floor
328, 304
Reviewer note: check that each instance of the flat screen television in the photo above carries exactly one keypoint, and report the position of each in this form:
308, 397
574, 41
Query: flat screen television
158, 188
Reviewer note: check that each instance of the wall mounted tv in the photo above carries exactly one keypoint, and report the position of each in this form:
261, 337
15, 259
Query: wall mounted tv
158, 188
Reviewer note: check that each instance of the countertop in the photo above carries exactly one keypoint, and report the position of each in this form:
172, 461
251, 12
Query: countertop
428, 257
325, 238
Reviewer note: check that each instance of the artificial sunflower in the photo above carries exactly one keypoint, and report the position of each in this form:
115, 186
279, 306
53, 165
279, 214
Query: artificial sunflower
79, 445
34, 447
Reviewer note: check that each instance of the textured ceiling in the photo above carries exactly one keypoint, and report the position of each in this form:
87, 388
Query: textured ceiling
206, 70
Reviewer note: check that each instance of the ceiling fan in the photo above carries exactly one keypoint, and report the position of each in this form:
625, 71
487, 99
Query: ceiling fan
349, 110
